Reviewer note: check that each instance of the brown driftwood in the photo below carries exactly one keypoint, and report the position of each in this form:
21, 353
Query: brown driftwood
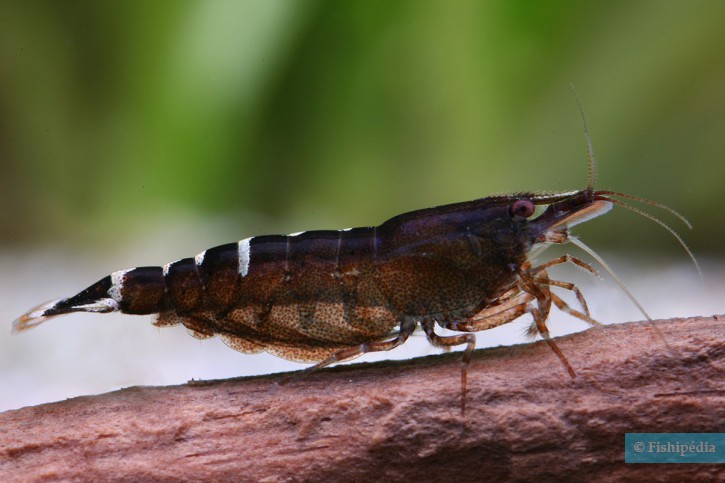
397, 420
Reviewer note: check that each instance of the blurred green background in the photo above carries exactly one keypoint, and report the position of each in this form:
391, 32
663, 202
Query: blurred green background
281, 116
135, 133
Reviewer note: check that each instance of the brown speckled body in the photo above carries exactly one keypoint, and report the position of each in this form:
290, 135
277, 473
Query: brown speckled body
308, 296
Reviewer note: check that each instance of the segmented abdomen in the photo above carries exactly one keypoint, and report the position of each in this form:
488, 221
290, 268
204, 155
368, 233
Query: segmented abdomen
312, 289
252, 269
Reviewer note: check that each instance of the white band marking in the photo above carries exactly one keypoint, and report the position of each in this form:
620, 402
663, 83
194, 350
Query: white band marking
117, 283
244, 256
101, 306
166, 268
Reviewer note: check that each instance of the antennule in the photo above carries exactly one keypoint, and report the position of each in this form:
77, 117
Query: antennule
649, 202
664, 225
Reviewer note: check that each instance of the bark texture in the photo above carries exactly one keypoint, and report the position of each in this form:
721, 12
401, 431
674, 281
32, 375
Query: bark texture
401, 421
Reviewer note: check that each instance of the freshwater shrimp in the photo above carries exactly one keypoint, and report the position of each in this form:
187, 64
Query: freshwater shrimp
332, 295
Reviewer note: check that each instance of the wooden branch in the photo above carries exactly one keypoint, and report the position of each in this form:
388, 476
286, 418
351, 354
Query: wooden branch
397, 420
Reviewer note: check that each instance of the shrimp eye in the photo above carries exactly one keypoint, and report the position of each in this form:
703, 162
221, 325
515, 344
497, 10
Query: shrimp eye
522, 208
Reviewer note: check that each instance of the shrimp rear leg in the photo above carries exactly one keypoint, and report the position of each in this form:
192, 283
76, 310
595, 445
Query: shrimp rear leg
513, 305
407, 327
449, 341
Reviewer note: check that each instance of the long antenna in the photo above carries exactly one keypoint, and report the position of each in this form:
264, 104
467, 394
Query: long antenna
664, 225
592, 172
